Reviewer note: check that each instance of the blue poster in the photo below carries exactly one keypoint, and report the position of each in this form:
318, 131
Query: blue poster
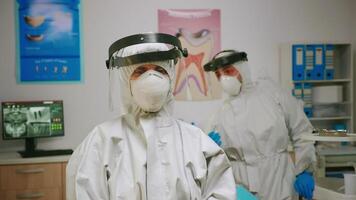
49, 41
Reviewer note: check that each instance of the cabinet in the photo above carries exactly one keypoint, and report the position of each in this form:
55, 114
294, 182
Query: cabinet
37, 178
340, 77
343, 158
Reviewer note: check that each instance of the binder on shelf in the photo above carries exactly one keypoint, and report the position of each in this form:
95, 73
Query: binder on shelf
298, 91
308, 110
298, 57
319, 62
309, 61
329, 62
307, 98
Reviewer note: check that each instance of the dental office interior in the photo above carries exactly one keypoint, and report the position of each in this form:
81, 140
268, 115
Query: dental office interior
283, 39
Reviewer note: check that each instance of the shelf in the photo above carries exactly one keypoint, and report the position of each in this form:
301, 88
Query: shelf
333, 81
330, 104
340, 55
329, 118
351, 137
338, 151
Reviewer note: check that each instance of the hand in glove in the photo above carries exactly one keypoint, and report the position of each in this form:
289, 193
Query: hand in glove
304, 185
216, 137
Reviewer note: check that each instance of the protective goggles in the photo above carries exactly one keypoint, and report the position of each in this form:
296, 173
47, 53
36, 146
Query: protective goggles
225, 61
176, 52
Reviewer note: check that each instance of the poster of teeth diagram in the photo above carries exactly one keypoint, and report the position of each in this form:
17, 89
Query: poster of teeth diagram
48, 41
199, 32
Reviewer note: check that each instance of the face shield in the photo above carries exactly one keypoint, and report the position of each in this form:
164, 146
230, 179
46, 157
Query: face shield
132, 52
224, 59
236, 59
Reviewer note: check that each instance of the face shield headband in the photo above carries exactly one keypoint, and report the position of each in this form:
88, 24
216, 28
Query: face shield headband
224, 61
172, 54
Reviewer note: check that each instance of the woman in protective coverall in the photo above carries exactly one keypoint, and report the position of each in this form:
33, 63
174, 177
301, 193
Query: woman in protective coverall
145, 153
256, 123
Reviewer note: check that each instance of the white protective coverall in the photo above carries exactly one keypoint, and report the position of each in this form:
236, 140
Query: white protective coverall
259, 123
147, 156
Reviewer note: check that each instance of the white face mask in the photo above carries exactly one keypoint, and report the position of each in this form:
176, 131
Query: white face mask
150, 90
230, 84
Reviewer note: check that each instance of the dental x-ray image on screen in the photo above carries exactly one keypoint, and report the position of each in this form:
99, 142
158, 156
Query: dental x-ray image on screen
32, 119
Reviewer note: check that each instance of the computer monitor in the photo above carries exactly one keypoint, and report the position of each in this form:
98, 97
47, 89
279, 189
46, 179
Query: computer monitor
30, 120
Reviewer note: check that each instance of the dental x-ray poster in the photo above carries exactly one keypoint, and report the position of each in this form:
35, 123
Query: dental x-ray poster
48, 41
199, 32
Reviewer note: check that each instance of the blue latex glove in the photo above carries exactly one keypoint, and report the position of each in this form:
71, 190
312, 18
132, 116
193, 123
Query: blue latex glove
216, 137
244, 194
304, 185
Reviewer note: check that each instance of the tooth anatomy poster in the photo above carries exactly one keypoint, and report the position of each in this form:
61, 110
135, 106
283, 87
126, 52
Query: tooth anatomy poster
199, 32
48, 41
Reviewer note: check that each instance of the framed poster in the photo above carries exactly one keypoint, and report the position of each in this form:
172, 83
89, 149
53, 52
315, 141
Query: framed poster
48, 41
199, 32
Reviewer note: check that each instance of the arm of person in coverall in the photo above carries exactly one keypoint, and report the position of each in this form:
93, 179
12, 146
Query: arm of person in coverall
218, 182
211, 127
86, 176
298, 125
